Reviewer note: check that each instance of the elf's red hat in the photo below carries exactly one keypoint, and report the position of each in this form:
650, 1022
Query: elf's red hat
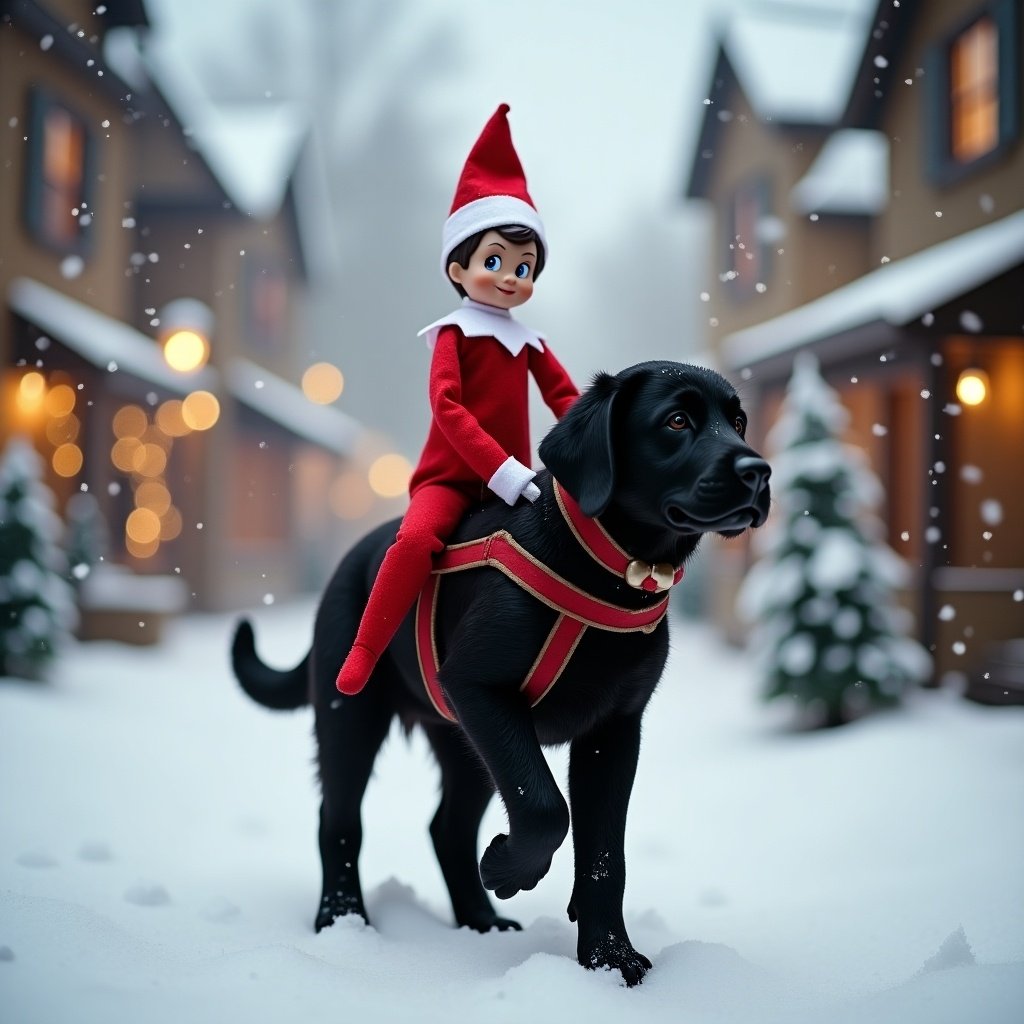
491, 191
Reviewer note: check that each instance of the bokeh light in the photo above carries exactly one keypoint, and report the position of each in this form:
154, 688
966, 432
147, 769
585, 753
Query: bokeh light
186, 351
63, 430
200, 410
139, 549
389, 475
142, 526
60, 400
31, 391
67, 460
149, 460
972, 387
170, 421
154, 495
130, 421
322, 383
123, 453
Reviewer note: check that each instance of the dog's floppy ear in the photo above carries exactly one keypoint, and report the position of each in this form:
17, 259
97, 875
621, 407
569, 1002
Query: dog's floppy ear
578, 449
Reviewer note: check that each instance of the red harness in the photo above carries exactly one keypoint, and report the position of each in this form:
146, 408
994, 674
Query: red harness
576, 609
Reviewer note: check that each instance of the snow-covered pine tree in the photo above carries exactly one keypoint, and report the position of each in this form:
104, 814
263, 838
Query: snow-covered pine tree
822, 597
36, 603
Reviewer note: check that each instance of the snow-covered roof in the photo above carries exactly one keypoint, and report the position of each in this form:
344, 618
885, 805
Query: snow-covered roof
849, 176
797, 64
896, 294
251, 147
283, 403
104, 341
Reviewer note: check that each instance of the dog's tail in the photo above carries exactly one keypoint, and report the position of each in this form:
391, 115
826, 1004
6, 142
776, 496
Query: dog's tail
283, 691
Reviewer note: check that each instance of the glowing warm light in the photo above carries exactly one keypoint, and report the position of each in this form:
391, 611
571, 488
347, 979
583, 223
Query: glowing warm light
170, 524
63, 430
349, 496
169, 419
123, 453
389, 475
60, 401
153, 494
322, 383
67, 460
972, 387
141, 550
31, 389
200, 410
130, 421
149, 460
143, 526
186, 351
154, 435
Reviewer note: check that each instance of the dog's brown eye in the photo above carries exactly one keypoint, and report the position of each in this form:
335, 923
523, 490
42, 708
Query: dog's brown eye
678, 421
739, 425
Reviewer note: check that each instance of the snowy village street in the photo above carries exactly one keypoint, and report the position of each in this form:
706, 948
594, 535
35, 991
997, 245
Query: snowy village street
158, 859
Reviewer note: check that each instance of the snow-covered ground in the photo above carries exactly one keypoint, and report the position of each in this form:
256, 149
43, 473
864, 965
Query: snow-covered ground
158, 860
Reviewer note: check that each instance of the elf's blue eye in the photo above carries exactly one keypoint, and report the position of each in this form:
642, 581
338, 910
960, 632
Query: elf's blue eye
492, 263
523, 271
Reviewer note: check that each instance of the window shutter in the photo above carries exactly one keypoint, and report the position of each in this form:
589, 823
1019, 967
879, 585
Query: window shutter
1005, 15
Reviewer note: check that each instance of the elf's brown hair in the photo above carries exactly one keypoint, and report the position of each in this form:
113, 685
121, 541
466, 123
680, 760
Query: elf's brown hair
463, 252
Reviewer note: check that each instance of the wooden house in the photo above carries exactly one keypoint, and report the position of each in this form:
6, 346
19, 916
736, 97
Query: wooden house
877, 221
118, 210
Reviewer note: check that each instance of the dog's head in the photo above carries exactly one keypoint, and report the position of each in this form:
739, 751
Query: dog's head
664, 442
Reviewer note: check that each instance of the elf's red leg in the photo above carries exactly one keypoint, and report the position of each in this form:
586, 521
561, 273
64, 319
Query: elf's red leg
433, 514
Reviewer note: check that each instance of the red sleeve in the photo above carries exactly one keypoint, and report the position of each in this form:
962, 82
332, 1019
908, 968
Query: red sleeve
460, 427
555, 384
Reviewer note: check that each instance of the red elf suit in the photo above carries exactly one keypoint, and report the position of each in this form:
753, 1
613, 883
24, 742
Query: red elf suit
479, 438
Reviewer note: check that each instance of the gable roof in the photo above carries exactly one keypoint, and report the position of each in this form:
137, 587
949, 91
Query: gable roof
755, 55
883, 45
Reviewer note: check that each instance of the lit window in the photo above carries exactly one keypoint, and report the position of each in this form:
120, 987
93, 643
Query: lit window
974, 91
57, 208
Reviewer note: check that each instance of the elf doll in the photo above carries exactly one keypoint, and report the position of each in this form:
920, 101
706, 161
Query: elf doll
492, 251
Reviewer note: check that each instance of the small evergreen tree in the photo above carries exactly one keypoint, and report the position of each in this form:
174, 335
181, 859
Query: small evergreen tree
36, 602
822, 598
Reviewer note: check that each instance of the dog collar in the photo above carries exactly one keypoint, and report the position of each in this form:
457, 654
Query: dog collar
598, 543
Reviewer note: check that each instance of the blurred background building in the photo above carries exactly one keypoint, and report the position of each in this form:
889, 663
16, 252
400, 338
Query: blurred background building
866, 179
153, 271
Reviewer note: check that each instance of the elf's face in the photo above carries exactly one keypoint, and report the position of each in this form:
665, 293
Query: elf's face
500, 272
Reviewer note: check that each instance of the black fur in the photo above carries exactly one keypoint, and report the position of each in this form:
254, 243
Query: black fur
657, 451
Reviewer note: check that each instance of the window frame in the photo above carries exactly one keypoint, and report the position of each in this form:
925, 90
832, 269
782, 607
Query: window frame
942, 167
41, 102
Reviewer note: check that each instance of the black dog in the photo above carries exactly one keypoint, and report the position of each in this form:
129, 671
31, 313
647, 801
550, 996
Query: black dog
658, 453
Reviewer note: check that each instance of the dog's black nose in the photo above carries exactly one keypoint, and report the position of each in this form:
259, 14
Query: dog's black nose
753, 471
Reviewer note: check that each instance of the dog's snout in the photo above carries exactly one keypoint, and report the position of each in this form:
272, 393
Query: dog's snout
753, 471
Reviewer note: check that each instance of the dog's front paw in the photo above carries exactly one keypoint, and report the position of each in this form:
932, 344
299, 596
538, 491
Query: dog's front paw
508, 867
615, 952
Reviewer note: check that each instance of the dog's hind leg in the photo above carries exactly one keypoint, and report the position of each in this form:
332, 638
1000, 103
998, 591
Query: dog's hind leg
350, 731
466, 790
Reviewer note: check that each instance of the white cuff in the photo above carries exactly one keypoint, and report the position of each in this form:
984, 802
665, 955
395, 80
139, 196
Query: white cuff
510, 480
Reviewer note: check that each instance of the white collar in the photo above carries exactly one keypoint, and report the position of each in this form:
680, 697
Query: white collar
477, 320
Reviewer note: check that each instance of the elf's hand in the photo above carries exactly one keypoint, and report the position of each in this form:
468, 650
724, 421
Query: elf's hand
513, 479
